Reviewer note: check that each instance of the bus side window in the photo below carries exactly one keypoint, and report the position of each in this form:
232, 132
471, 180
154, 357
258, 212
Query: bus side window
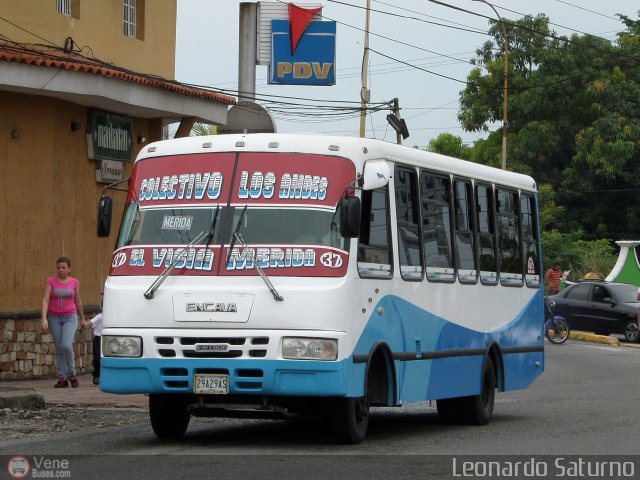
408, 214
374, 252
486, 235
465, 242
530, 241
509, 237
436, 226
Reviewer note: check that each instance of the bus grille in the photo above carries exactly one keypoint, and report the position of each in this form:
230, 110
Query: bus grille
212, 347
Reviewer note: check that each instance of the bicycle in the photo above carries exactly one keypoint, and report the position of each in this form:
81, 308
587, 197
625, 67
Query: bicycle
556, 327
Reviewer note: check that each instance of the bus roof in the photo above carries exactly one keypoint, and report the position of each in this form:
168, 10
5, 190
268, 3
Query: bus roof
358, 150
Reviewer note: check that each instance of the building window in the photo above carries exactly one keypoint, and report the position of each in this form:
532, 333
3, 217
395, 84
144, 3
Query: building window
63, 7
130, 18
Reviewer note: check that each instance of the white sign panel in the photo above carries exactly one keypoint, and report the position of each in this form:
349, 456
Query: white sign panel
109, 171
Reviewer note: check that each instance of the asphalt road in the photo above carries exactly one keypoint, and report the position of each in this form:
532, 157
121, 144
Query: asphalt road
585, 403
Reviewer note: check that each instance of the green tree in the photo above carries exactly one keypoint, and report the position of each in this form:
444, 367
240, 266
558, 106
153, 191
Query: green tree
574, 120
449, 144
597, 256
203, 129
551, 214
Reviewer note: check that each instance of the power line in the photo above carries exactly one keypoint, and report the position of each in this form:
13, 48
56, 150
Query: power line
552, 23
467, 28
587, 10
27, 31
372, 71
419, 68
553, 36
342, 108
463, 29
393, 39
428, 16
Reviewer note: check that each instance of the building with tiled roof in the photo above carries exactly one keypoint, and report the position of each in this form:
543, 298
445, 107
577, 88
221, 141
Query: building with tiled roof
83, 86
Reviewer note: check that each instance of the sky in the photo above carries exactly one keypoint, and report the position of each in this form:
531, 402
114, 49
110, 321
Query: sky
437, 39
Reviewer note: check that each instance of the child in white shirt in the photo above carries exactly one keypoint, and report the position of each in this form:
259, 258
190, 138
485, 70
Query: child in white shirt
96, 324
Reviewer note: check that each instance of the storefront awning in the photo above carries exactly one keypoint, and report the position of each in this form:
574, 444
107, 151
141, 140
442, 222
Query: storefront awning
93, 84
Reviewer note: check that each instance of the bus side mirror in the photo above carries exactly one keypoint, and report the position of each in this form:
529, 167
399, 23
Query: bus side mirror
104, 216
349, 217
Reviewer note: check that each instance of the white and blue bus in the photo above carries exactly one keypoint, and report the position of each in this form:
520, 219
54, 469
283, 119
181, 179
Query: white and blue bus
303, 275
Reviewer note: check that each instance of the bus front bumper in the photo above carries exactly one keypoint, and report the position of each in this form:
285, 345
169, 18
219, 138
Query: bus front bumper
253, 377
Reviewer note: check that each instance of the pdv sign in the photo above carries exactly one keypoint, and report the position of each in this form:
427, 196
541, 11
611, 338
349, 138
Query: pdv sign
302, 53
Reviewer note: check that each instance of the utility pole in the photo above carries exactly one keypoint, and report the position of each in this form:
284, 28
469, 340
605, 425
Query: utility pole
247, 52
506, 84
365, 94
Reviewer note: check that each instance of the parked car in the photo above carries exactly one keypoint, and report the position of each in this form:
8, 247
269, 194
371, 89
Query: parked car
600, 307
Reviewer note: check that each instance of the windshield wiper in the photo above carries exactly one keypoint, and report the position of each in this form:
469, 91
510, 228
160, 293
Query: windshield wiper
208, 234
212, 228
238, 236
235, 231
276, 296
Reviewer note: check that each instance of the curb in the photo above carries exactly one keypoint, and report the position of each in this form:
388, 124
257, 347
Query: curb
21, 398
592, 337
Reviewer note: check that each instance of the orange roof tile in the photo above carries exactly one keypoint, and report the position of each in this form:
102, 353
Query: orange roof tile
76, 63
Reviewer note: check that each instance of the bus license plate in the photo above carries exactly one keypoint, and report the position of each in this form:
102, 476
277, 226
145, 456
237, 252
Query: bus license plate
216, 384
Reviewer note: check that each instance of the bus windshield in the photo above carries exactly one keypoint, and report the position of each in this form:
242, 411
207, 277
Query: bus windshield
260, 226
290, 226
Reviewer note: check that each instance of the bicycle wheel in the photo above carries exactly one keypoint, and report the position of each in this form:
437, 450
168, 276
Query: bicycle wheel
557, 330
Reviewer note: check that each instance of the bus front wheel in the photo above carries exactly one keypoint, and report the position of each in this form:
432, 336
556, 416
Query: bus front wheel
350, 419
169, 416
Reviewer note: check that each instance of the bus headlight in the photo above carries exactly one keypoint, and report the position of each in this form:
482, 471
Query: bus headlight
121, 346
309, 348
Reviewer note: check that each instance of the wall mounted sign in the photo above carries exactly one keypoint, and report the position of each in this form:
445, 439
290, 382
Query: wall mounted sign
109, 137
109, 171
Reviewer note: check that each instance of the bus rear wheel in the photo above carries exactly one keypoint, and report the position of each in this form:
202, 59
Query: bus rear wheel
169, 416
450, 410
478, 409
350, 419
475, 409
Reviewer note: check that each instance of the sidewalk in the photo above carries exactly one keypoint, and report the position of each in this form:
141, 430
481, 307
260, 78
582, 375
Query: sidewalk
33, 394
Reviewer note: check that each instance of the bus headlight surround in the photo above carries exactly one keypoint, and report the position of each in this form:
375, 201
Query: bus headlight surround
114, 346
300, 348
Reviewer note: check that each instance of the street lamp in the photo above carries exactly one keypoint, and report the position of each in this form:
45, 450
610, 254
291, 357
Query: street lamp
506, 85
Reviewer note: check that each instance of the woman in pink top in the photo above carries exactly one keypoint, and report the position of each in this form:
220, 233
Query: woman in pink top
61, 307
